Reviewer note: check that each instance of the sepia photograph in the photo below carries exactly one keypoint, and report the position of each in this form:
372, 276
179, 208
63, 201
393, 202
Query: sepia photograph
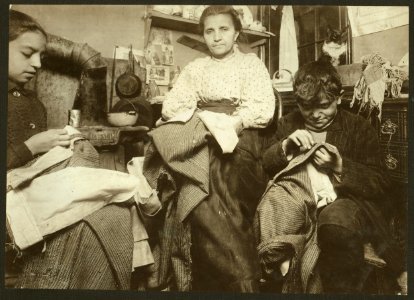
159, 74
229, 149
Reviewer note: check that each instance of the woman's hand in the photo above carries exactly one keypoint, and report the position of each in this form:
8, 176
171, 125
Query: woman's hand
237, 124
328, 157
46, 140
299, 138
159, 122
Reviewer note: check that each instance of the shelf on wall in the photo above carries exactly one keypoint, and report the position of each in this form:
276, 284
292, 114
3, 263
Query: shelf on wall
162, 20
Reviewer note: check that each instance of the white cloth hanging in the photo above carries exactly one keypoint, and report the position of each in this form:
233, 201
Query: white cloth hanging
288, 46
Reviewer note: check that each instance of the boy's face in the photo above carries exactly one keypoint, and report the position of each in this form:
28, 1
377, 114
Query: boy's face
25, 56
318, 115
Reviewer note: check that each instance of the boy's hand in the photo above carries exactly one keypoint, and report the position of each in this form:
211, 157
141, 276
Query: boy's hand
328, 157
46, 140
402, 282
299, 138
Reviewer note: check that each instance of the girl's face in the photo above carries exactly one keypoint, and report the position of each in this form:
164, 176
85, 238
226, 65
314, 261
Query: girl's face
25, 54
318, 115
220, 35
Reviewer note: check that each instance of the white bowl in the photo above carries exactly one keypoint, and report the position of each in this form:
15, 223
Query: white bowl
125, 118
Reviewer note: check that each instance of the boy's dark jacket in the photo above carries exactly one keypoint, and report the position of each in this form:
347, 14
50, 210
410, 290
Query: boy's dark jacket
364, 178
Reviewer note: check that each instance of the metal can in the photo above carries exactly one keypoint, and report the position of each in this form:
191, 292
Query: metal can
74, 116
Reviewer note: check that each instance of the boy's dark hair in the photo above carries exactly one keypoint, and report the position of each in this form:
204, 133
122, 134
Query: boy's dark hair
20, 23
214, 10
315, 81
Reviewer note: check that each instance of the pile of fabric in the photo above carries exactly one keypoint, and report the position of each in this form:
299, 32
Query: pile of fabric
379, 79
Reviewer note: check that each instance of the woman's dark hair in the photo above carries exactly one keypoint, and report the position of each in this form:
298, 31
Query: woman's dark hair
214, 10
20, 23
315, 81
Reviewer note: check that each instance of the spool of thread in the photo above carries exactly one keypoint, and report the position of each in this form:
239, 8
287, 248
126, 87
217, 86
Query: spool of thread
74, 118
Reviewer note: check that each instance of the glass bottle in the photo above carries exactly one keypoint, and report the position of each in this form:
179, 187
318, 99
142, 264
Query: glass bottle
153, 89
174, 77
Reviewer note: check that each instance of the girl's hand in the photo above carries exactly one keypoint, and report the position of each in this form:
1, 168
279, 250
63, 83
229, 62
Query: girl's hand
299, 138
46, 140
328, 157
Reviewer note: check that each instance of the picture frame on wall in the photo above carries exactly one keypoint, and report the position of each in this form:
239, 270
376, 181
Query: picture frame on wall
160, 74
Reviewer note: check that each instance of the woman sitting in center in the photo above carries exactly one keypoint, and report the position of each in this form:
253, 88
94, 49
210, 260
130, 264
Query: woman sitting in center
217, 187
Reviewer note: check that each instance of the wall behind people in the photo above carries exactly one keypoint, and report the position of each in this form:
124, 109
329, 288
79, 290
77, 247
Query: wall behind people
101, 26
391, 44
104, 26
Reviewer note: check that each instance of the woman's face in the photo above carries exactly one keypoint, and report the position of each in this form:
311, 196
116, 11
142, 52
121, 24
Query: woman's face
25, 56
318, 115
220, 35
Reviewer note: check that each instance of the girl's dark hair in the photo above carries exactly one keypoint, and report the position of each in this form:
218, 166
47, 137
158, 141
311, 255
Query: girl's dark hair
315, 81
20, 23
214, 10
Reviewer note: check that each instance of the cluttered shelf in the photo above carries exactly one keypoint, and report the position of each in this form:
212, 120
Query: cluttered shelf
166, 21
289, 101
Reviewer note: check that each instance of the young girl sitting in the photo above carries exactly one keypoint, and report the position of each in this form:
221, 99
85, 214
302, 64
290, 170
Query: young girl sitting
27, 134
93, 250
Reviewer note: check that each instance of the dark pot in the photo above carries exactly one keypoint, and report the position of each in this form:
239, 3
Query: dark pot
128, 86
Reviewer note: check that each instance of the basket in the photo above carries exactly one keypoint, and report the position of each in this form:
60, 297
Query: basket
282, 80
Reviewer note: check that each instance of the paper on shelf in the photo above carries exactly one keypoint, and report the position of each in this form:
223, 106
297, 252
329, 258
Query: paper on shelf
123, 53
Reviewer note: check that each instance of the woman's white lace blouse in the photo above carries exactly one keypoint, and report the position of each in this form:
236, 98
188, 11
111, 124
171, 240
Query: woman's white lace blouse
241, 78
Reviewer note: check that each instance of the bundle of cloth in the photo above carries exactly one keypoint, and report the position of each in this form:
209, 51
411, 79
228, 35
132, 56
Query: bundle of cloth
379, 79
47, 199
285, 222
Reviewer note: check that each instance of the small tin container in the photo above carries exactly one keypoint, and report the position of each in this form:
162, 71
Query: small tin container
74, 116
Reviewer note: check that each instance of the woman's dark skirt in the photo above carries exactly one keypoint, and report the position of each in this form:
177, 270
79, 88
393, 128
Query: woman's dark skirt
223, 250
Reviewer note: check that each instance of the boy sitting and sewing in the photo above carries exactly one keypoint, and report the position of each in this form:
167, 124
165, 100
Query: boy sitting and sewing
324, 203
